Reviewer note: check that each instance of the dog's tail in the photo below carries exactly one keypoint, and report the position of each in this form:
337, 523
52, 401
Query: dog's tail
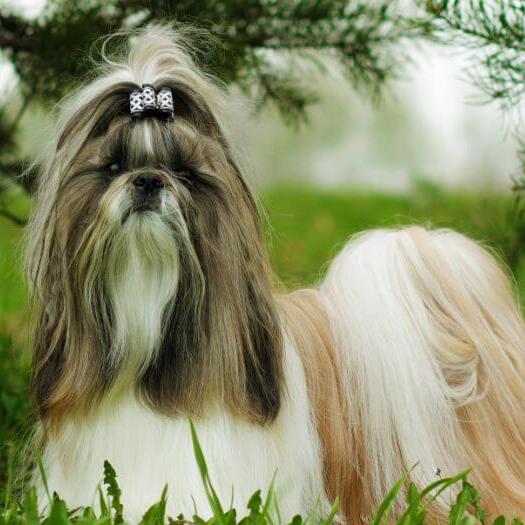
432, 345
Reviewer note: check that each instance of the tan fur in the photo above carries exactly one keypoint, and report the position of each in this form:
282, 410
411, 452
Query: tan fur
492, 439
492, 424
343, 458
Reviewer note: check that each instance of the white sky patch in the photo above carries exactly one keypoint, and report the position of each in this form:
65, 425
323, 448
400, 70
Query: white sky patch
425, 126
7, 79
28, 8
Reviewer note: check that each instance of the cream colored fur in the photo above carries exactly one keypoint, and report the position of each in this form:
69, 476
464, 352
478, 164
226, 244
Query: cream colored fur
432, 352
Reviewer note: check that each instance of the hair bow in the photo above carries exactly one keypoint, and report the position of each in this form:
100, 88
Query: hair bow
147, 101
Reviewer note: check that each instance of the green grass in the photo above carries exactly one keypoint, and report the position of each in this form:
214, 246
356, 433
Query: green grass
12, 289
405, 501
304, 229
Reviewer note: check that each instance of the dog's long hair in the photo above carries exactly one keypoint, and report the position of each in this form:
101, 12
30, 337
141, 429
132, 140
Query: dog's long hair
432, 348
212, 328
413, 347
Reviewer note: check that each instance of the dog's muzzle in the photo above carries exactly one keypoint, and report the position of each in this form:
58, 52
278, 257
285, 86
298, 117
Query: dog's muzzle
147, 188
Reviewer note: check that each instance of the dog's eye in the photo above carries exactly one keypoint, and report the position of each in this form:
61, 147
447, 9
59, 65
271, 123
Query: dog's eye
185, 176
195, 180
113, 168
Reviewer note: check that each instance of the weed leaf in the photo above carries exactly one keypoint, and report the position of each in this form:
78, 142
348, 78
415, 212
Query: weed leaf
58, 514
113, 490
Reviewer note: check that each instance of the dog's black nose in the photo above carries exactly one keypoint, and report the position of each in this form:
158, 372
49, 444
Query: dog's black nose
148, 183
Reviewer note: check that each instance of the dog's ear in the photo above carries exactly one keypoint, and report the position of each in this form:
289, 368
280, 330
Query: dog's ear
70, 367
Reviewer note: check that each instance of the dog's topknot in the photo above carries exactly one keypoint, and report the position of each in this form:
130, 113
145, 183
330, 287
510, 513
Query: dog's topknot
157, 55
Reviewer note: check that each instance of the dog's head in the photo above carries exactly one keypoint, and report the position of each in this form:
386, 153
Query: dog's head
145, 250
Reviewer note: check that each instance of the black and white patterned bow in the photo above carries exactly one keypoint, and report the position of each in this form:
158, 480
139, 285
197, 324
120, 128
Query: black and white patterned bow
147, 101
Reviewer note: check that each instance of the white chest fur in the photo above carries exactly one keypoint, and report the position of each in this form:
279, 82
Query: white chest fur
149, 451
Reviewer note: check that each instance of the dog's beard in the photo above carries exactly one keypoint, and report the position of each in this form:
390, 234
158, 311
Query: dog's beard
131, 254
141, 275
124, 246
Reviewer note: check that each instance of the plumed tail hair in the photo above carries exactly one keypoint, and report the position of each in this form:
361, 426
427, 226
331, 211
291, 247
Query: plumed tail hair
432, 344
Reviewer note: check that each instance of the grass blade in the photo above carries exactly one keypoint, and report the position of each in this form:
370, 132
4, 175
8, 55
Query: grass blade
213, 499
385, 509
43, 478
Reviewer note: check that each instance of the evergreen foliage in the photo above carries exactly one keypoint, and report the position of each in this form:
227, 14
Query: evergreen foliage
260, 45
492, 32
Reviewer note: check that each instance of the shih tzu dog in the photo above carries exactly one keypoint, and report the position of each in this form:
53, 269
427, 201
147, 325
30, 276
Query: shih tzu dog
156, 304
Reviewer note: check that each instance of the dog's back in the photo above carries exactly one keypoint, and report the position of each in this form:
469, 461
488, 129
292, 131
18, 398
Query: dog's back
415, 345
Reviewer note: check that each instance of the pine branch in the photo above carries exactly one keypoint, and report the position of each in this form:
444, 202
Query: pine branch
359, 32
14, 33
495, 30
